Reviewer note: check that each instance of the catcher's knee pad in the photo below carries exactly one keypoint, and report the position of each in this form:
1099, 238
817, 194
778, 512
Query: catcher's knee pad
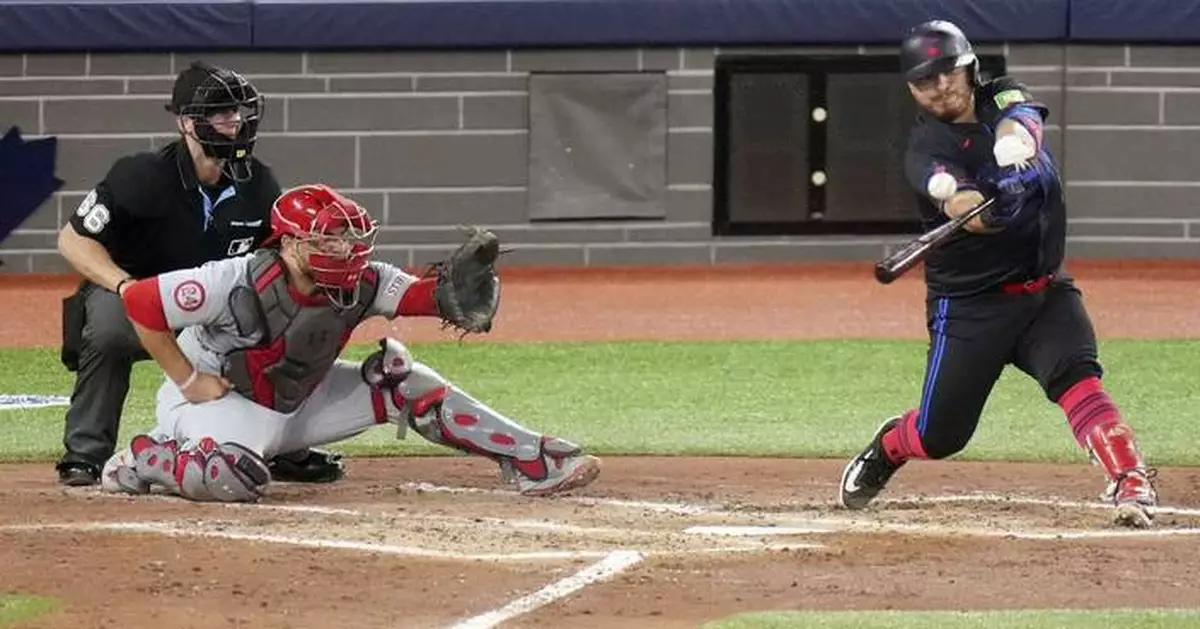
204, 471
388, 367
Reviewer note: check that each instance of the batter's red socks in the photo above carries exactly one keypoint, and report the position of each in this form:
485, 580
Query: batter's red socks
903, 442
1099, 429
1087, 406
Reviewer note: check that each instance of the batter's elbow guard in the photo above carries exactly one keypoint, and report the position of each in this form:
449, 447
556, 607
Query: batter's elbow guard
1030, 119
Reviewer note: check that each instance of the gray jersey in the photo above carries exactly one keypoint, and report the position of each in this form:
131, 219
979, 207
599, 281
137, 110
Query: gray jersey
197, 301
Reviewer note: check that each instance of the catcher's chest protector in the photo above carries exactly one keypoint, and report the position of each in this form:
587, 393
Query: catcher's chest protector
299, 342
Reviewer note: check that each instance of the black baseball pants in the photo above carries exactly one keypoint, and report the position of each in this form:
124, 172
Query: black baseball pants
1047, 334
108, 348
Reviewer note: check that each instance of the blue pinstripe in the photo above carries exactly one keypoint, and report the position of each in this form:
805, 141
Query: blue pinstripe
939, 350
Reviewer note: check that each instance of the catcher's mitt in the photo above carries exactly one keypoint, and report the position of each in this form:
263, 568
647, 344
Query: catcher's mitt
468, 291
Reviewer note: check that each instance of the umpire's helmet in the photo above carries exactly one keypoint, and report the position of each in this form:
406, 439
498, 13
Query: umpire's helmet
203, 90
934, 47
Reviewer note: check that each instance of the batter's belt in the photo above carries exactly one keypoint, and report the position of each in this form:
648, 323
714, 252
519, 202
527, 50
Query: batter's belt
1028, 287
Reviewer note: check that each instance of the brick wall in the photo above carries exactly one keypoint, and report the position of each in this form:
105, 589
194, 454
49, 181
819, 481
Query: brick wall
432, 139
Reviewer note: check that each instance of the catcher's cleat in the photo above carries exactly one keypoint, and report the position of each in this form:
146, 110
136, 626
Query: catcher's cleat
307, 466
120, 474
565, 475
1135, 499
561, 468
867, 474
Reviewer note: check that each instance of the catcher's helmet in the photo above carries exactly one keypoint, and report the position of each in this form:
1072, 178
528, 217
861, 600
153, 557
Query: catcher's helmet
203, 90
339, 232
934, 47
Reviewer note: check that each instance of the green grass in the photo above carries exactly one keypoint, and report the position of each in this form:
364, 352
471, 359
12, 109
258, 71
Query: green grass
795, 398
16, 608
1026, 619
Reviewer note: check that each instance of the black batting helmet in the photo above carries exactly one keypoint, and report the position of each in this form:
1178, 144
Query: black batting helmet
203, 90
934, 47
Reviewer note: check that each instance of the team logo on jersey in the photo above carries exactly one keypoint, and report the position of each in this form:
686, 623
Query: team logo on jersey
1008, 97
189, 295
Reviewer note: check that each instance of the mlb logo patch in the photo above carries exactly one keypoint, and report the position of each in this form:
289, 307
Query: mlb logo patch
240, 246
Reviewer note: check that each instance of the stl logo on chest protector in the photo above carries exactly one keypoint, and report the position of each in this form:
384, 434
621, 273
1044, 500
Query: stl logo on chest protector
189, 295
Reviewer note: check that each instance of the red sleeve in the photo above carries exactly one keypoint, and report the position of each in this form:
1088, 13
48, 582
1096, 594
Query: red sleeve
417, 300
143, 304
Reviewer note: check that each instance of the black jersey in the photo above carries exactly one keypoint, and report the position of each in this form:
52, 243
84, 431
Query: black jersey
1030, 247
153, 215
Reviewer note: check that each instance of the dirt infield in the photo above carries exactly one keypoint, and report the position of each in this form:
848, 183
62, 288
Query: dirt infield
662, 542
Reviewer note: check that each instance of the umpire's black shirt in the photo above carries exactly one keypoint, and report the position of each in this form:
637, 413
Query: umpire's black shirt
153, 215
1030, 247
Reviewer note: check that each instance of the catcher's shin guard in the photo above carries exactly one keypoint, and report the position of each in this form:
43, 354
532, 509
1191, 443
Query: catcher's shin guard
205, 471
1112, 446
410, 393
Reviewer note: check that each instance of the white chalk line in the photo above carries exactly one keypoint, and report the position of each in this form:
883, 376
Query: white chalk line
613, 563
929, 529
693, 508
830, 525
509, 523
807, 525
174, 529
1016, 500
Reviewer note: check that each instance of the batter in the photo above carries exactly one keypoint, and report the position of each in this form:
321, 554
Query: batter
998, 294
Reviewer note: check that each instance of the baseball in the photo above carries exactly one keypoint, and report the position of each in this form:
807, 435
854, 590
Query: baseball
818, 178
819, 114
942, 186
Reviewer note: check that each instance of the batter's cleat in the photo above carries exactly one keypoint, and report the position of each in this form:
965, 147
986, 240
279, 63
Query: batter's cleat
867, 474
77, 473
307, 466
1135, 499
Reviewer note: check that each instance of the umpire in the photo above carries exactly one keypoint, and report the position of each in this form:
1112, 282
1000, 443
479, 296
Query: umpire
202, 197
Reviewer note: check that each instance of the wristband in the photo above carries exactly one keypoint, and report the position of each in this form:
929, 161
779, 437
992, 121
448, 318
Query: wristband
122, 283
190, 380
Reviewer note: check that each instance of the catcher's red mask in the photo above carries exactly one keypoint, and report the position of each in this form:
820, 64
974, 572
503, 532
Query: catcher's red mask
335, 234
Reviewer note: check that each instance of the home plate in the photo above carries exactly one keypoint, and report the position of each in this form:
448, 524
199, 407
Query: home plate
753, 531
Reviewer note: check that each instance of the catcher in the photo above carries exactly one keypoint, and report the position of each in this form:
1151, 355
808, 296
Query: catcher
256, 371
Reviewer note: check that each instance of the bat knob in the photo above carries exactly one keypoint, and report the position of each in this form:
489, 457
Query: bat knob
884, 275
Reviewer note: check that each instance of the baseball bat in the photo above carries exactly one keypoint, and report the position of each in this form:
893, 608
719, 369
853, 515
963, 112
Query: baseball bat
897, 264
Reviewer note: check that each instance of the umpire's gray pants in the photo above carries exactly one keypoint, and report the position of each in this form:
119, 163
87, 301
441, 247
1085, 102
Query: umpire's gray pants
106, 357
